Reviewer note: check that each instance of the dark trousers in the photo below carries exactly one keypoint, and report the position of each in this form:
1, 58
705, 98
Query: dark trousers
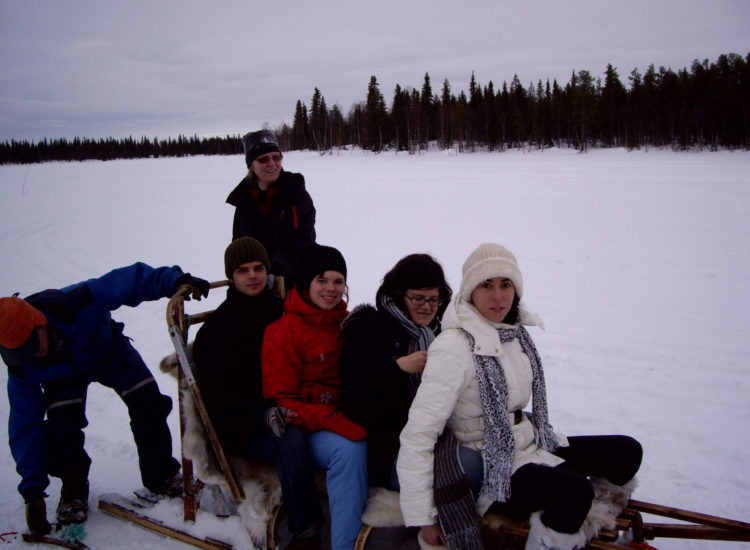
291, 456
564, 492
125, 372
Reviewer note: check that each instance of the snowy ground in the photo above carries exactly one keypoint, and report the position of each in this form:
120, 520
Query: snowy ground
638, 262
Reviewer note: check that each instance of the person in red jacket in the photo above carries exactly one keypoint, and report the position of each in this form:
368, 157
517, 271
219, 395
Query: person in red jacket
300, 362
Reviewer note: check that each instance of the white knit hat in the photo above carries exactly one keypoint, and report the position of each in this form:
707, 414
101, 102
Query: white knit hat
486, 262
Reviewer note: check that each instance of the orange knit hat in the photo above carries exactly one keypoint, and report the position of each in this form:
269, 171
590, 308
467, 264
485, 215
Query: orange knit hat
17, 321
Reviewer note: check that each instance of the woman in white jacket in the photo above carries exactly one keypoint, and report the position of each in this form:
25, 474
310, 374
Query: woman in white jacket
482, 371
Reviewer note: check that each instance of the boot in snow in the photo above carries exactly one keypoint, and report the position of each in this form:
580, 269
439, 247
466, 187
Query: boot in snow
36, 517
74, 503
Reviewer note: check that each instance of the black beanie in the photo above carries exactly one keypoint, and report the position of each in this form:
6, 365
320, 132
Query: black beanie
242, 251
259, 143
315, 259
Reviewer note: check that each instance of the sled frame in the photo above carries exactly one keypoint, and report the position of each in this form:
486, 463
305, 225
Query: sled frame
699, 526
179, 323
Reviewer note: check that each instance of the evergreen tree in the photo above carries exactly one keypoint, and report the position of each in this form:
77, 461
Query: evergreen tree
612, 109
375, 118
584, 105
445, 123
400, 119
318, 122
299, 127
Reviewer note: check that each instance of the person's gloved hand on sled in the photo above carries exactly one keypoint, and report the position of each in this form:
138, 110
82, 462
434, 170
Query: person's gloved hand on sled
198, 288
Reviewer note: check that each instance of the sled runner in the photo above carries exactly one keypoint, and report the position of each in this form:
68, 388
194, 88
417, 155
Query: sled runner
125, 512
54, 541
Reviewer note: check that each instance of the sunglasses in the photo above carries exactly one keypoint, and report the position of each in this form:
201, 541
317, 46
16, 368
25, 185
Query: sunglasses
265, 160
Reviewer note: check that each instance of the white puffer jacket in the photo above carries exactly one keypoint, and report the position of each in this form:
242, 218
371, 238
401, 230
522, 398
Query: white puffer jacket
449, 395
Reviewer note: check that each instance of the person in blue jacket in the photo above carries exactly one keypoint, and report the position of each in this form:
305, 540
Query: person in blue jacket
55, 343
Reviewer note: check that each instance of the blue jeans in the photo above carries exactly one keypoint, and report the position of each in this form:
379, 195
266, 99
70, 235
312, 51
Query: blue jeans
294, 467
345, 462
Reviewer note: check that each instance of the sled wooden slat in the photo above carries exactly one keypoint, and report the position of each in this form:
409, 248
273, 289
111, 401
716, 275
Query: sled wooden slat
687, 515
695, 532
160, 528
190, 502
604, 545
42, 539
186, 371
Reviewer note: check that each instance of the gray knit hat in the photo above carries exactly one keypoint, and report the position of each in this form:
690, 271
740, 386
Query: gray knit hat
256, 144
490, 260
242, 251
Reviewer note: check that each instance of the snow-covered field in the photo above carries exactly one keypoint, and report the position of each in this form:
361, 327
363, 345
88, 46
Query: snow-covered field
639, 263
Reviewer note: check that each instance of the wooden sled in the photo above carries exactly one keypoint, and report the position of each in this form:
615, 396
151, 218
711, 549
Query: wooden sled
256, 483
510, 532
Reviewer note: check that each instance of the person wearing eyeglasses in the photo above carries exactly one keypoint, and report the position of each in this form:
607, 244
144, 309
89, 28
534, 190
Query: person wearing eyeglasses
272, 205
384, 353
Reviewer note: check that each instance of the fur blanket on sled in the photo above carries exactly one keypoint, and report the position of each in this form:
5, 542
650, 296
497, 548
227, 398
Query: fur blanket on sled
258, 479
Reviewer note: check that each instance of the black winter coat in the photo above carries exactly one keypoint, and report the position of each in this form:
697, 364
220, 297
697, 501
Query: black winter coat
289, 220
375, 391
227, 359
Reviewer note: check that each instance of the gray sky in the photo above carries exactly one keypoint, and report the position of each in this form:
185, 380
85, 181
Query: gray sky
100, 68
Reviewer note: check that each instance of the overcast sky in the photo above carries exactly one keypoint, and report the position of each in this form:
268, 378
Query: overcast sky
100, 68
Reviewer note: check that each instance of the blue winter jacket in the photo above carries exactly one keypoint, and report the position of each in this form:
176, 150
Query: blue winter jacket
81, 313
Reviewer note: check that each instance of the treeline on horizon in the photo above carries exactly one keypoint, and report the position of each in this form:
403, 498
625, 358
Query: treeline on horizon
704, 107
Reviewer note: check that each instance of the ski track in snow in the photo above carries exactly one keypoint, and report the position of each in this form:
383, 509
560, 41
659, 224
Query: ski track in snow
637, 261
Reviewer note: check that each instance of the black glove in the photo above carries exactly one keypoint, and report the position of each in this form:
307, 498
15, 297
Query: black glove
198, 287
36, 517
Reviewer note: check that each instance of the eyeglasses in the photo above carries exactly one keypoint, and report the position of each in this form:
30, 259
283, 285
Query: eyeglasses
265, 160
419, 301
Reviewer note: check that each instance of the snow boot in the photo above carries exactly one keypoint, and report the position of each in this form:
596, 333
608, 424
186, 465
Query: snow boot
535, 542
74, 502
171, 488
542, 537
36, 517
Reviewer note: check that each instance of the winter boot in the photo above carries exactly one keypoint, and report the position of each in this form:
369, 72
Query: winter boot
172, 487
74, 502
535, 542
36, 517
542, 537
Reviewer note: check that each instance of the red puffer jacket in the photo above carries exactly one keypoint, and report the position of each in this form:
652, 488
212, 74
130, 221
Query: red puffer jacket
300, 359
